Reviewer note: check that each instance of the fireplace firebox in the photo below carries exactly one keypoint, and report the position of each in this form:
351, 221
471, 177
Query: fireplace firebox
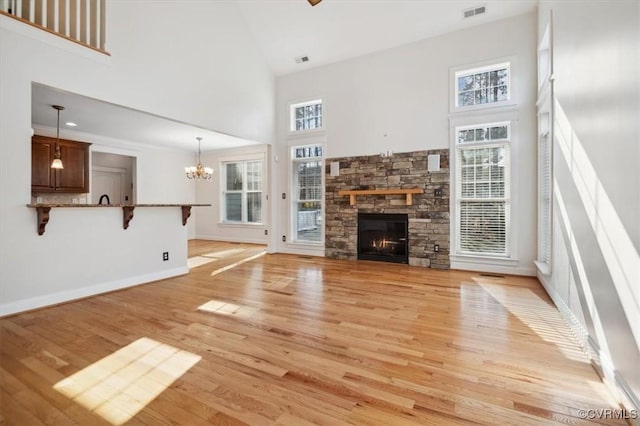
383, 237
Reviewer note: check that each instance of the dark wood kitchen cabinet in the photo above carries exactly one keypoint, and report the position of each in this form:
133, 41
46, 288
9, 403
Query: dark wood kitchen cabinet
74, 178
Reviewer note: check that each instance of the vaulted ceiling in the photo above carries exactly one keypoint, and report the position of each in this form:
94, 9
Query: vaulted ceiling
331, 31
336, 30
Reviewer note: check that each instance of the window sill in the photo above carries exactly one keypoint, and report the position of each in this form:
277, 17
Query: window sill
311, 244
302, 133
485, 260
240, 225
543, 267
483, 109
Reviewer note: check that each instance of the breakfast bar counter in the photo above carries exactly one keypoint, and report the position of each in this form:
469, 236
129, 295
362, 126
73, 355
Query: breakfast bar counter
127, 211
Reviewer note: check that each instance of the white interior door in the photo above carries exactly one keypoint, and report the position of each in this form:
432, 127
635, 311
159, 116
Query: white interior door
110, 182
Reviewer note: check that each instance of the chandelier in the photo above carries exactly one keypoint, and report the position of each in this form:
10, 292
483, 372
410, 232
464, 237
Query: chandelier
199, 171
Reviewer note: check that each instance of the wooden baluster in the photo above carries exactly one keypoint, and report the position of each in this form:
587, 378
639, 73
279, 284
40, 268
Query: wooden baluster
18, 11
32, 10
43, 11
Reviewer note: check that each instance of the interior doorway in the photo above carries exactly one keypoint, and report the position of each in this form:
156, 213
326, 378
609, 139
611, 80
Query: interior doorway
112, 178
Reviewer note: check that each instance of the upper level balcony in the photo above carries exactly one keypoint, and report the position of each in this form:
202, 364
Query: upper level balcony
81, 21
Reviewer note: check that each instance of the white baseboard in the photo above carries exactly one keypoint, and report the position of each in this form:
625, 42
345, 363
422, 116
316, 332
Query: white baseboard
600, 361
231, 239
495, 269
69, 295
302, 249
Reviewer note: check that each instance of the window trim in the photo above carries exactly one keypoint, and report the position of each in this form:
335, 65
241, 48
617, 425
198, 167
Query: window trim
223, 191
292, 105
475, 120
510, 62
292, 188
506, 143
545, 242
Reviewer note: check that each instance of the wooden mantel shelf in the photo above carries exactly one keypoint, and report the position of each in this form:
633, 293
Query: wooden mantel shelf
127, 211
355, 192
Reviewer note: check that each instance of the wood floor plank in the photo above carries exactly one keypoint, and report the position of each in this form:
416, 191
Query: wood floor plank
294, 340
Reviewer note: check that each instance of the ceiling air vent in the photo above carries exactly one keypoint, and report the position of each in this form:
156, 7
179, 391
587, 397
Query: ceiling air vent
478, 10
302, 59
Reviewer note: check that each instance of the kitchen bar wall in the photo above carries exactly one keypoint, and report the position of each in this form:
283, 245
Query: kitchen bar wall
85, 253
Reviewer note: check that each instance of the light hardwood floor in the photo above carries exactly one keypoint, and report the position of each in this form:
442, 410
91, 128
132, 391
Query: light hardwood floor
295, 340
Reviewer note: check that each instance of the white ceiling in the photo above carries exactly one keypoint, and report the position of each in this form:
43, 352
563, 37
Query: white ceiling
336, 30
117, 122
332, 31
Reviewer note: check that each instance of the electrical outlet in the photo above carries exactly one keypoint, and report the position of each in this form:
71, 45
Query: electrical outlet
165, 256
436, 247
437, 192
284, 238
39, 200
284, 196
266, 232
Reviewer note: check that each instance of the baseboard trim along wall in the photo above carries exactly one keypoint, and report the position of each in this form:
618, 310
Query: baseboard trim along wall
600, 362
67, 296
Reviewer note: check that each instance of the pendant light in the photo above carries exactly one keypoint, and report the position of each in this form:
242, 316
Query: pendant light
57, 160
199, 171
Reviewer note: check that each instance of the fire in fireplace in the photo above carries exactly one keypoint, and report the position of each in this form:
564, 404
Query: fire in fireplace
383, 237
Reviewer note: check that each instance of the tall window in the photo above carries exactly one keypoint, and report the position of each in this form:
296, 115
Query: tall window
544, 202
483, 189
306, 116
485, 85
307, 193
242, 191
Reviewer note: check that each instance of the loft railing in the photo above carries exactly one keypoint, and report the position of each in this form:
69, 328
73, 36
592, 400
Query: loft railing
81, 21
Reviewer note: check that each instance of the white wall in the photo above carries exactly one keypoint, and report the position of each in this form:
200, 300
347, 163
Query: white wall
209, 225
596, 233
398, 100
175, 59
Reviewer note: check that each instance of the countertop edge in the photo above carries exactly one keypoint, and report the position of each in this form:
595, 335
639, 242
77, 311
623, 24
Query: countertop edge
116, 205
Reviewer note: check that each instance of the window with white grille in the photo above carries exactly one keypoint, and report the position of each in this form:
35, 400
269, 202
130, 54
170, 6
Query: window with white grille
306, 116
483, 189
544, 206
307, 193
242, 191
483, 86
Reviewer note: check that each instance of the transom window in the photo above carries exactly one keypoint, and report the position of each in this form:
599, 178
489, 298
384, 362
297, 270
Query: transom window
483, 189
242, 191
306, 116
484, 85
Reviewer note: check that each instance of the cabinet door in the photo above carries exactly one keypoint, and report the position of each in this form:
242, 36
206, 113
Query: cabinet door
74, 177
42, 176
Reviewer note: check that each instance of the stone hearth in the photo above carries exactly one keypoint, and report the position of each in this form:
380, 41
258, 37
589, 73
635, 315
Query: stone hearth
428, 216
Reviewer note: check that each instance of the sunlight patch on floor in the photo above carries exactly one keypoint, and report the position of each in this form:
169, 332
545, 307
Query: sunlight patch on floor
540, 317
225, 308
194, 262
120, 385
221, 254
240, 262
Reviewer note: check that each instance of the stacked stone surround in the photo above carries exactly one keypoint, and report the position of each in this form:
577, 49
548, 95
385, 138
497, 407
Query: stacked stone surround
428, 216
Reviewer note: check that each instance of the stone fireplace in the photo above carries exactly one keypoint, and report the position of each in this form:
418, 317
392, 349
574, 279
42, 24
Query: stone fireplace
427, 216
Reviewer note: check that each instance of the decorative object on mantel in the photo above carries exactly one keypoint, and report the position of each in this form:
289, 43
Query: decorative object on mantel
408, 192
57, 156
127, 211
199, 171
